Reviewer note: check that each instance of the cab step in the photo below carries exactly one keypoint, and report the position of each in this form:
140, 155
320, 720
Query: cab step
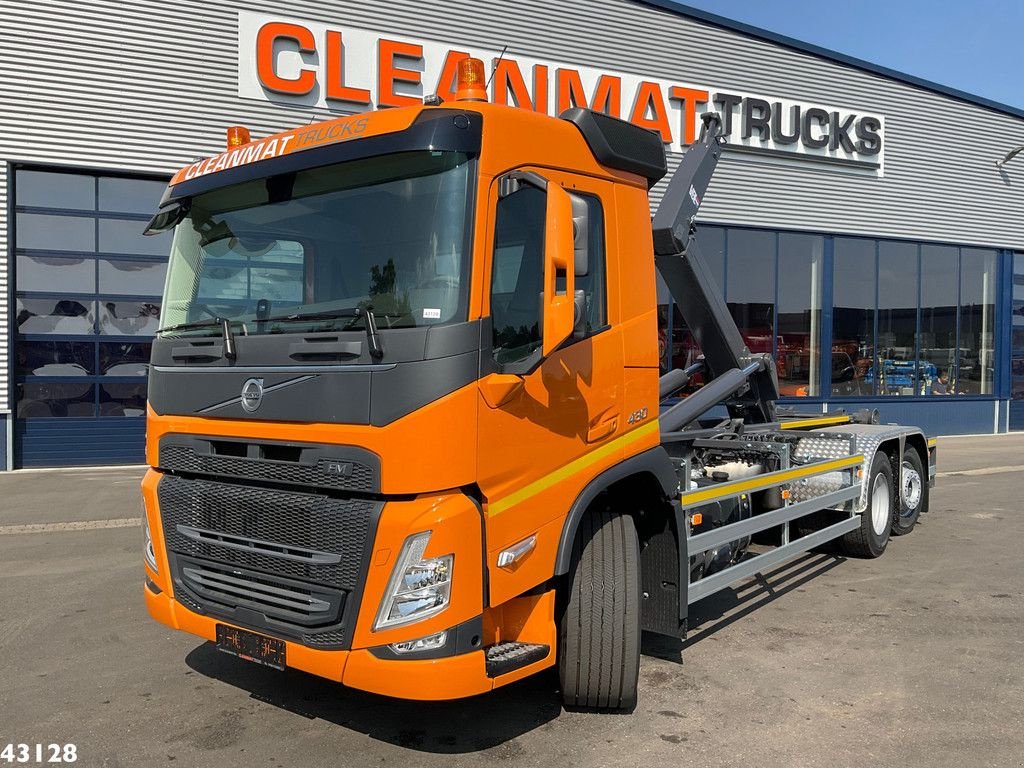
503, 658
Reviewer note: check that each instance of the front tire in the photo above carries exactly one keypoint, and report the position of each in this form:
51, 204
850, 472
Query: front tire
913, 497
877, 519
599, 630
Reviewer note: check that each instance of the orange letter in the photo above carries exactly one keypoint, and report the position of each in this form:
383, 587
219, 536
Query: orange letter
648, 95
336, 88
265, 70
690, 98
569, 90
446, 82
608, 95
388, 73
540, 89
506, 76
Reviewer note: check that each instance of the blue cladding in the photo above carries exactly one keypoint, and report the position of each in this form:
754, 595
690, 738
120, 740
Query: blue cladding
935, 417
74, 442
4, 426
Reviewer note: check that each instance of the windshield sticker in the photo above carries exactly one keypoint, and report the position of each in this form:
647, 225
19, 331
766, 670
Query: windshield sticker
430, 313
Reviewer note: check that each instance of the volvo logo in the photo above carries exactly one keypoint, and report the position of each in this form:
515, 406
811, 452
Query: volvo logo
252, 394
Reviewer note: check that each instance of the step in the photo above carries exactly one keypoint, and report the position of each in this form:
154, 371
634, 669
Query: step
503, 658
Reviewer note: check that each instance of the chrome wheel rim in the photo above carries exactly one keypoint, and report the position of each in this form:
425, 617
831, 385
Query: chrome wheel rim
910, 487
881, 508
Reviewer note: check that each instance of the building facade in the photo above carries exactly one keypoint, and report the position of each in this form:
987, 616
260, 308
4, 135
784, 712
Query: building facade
858, 224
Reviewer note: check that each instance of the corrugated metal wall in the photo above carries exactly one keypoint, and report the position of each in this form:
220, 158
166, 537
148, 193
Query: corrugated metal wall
149, 86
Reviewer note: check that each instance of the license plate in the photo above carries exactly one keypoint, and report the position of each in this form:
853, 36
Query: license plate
251, 646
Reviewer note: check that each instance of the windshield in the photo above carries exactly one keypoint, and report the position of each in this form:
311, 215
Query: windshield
300, 251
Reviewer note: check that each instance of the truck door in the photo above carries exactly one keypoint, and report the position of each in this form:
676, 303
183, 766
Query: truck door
547, 425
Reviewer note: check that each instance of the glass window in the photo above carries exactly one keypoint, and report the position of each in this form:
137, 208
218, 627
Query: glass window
127, 358
47, 399
798, 336
976, 362
46, 232
593, 283
712, 248
129, 318
54, 358
122, 399
130, 195
517, 274
750, 286
125, 236
897, 320
853, 317
1017, 325
64, 316
55, 274
45, 189
937, 340
140, 277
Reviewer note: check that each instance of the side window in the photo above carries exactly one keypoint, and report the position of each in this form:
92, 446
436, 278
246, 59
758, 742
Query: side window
517, 274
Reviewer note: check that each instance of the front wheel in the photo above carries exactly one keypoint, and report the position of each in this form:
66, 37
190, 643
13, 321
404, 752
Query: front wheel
876, 520
599, 629
913, 498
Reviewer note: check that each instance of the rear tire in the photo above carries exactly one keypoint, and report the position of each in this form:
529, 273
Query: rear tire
599, 629
877, 519
913, 496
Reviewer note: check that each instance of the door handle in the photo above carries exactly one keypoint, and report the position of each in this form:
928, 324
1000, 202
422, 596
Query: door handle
603, 428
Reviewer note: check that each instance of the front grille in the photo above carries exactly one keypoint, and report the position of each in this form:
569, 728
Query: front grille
275, 598
305, 536
313, 466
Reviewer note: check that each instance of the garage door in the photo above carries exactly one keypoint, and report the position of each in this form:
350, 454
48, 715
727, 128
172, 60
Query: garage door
87, 303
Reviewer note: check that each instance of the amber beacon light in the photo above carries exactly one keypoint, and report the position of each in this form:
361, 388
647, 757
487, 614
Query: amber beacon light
470, 81
237, 136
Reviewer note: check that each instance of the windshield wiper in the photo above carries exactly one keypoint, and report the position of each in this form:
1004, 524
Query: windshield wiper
366, 313
225, 328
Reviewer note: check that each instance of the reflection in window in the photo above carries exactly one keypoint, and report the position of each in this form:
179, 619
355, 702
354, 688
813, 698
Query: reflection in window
129, 195
54, 358
798, 354
129, 318
976, 362
750, 286
45, 232
853, 317
937, 340
144, 277
1017, 338
64, 400
45, 189
123, 399
125, 236
897, 370
55, 274
64, 316
128, 358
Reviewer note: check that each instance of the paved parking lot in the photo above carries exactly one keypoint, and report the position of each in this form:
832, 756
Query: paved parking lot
914, 659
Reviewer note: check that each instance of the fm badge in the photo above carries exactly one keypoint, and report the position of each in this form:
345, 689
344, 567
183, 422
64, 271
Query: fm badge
252, 395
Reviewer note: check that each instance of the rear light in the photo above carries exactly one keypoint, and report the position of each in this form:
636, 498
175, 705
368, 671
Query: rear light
238, 135
470, 82
418, 588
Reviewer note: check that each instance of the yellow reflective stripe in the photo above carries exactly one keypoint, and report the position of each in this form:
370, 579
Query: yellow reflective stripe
932, 442
760, 482
574, 466
823, 421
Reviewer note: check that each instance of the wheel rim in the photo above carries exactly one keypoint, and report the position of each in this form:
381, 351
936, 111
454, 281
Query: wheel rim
881, 509
910, 488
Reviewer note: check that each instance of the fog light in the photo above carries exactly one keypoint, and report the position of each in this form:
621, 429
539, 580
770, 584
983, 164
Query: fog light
418, 588
428, 643
148, 551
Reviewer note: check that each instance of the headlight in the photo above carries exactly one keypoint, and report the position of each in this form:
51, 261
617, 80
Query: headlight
148, 550
418, 588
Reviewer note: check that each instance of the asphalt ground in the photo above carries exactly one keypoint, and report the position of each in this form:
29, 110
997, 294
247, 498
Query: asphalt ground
914, 659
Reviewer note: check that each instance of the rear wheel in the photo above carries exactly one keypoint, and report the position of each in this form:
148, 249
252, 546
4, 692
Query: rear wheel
877, 519
599, 629
913, 498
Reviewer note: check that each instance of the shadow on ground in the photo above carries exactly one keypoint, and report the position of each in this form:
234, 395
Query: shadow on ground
445, 727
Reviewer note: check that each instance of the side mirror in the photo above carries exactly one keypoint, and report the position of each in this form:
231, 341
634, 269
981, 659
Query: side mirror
581, 231
559, 269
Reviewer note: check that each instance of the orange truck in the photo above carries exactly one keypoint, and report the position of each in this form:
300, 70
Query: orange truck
406, 428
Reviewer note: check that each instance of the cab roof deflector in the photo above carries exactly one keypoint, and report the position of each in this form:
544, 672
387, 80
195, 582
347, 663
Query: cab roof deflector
619, 144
